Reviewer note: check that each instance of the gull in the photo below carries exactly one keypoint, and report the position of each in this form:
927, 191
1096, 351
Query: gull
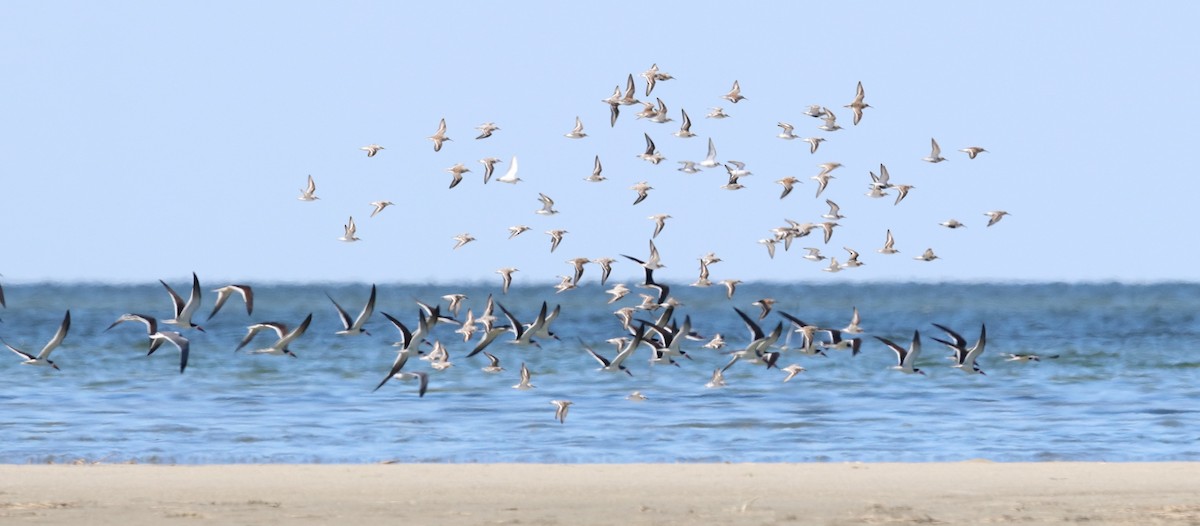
902, 192
710, 161
852, 261
510, 176
651, 154
636, 396
717, 113
833, 266
577, 131
605, 268
149, 321
770, 244
689, 167
506, 274
560, 410
972, 151
730, 286
853, 327
660, 221
764, 304
787, 183
223, 294
952, 224
905, 358
928, 255
858, 104
965, 357
617, 292
786, 134
489, 167
350, 230
516, 230
555, 238
830, 121
935, 156
834, 212
456, 171
813, 143
43, 356
597, 168
814, 254
718, 379
815, 110
439, 137
352, 328
577, 264
685, 129
309, 192
185, 311
462, 239
486, 129
379, 206
371, 149
641, 188
828, 228
996, 216
525, 376
493, 366
888, 245
176, 339
735, 93
792, 371
547, 205
284, 337
716, 343
822, 180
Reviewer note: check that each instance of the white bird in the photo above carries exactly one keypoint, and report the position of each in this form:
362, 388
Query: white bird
995, 216
349, 232
905, 358
834, 212
952, 224
547, 205
439, 137
792, 371
710, 160
43, 356
309, 193
284, 337
379, 206
185, 311
223, 294
371, 149
935, 156
577, 131
830, 121
355, 327
510, 176
489, 167
560, 411
735, 93
972, 151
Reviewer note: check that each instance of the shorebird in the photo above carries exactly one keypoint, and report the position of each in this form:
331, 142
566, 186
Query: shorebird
792, 371
371, 149
889, 245
462, 239
830, 121
770, 243
506, 274
858, 105
813, 143
972, 151
928, 255
355, 327
597, 168
964, 356
730, 286
901, 192
630, 96
935, 156
636, 396
651, 154
685, 128
814, 254
786, 134
995, 216
852, 261
510, 176
185, 311
1026, 357
952, 224
660, 113
284, 337
787, 182
309, 193
560, 410
765, 304
822, 180
547, 205
833, 266
717, 113
616, 364
556, 237
439, 137
493, 366
577, 264
456, 172
525, 377
577, 131
486, 129
710, 160
735, 93
43, 356
176, 339
718, 379
815, 111
454, 302
379, 206
905, 358
397, 373
349, 232
642, 189
660, 221
834, 212
605, 268
150, 322
853, 327
716, 343
223, 294
516, 230
617, 292
689, 167
489, 167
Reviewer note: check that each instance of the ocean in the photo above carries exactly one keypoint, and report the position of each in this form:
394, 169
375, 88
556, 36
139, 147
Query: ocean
1124, 387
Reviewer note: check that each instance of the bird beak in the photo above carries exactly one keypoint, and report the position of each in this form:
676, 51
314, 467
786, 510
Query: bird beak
199, 328
55, 366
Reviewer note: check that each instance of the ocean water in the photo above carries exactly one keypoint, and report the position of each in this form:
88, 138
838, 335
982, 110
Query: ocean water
1126, 385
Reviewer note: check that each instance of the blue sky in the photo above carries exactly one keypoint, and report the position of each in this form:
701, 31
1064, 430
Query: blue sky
147, 140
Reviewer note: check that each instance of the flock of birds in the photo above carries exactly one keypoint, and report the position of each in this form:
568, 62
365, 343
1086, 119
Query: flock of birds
663, 335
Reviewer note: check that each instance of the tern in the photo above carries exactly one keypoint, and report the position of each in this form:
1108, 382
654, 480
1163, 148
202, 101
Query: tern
185, 311
43, 357
547, 205
486, 129
935, 156
379, 206
284, 337
397, 373
439, 137
223, 294
905, 358
176, 339
355, 327
577, 131
735, 93
858, 105
972, 151
510, 176
837, 342
349, 232
995, 216
560, 410
371, 149
309, 193
489, 167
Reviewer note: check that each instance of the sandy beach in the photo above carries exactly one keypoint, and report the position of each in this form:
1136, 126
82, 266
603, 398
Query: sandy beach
953, 493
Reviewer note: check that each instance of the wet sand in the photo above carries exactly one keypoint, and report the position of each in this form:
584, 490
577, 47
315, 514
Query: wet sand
460, 494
